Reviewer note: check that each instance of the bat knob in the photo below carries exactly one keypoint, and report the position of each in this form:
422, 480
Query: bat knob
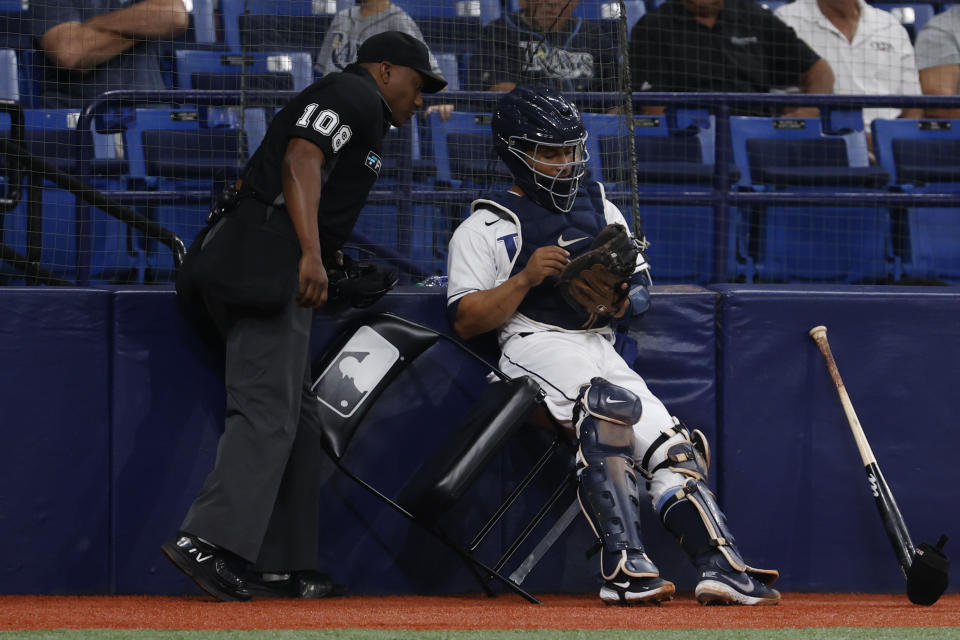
818, 330
942, 541
928, 575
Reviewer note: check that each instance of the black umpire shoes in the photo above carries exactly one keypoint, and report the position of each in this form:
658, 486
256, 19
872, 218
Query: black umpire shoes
207, 565
298, 584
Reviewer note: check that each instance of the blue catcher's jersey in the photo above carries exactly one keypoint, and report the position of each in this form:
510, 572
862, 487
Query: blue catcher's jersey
573, 231
498, 239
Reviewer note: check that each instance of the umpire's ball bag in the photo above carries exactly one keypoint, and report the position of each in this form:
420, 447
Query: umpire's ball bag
249, 258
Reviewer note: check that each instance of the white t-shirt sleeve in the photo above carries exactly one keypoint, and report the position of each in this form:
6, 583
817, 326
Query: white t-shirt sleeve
471, 263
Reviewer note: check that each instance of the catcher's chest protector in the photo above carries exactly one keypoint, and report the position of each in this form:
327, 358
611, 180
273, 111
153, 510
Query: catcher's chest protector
539, 227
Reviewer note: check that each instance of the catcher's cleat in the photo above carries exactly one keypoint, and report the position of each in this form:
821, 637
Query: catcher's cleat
207, 565
626, 591
297, 584
719, 586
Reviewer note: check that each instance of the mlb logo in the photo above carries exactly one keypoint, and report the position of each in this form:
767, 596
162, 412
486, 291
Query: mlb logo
356, 371
373, 162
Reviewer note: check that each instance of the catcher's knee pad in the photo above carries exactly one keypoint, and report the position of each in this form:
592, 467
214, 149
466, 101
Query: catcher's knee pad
608, 488
692, 515
680, 450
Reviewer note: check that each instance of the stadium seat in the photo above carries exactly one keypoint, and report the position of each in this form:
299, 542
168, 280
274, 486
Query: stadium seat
418, 9
276, 25
46, 229
463, 152
15, 32
184, 150
672, 153
216, 70
919, 153
771, 5
449, 69
28, 75
203, 22
9, 78
416, 232
923, 156
911, 16
813, 243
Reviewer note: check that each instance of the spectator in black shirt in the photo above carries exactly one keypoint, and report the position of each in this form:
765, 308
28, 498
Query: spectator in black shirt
723, 46
543, 44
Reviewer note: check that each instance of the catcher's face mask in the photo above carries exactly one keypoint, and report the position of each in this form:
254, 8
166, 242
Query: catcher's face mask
557, 168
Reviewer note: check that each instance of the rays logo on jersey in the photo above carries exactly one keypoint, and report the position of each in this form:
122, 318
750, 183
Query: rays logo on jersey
373, 162
359, 367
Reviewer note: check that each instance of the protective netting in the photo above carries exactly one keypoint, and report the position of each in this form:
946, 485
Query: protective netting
158, 159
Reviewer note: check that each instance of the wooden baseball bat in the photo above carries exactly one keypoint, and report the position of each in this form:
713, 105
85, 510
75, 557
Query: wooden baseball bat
893, 522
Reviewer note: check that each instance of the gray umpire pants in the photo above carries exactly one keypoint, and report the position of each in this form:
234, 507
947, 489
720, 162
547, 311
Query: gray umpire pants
261, 499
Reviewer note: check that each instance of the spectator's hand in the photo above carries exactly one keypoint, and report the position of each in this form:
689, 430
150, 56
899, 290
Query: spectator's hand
312, 292
545, 262
443, 109
502, 86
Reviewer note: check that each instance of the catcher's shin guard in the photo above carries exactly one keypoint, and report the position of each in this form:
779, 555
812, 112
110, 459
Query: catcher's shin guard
691, 514
604, 416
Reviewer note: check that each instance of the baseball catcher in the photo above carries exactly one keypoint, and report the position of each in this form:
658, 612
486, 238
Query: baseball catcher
550, 265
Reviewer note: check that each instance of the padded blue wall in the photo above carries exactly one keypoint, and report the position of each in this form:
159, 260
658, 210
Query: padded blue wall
55, 421
791, 480
168, 410
111, 408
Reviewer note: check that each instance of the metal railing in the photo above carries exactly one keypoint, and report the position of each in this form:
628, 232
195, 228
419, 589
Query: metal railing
721, 194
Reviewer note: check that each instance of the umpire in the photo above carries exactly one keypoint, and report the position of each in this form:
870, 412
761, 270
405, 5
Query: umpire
258, 271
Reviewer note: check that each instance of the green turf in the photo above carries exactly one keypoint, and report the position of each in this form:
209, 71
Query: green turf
836, 633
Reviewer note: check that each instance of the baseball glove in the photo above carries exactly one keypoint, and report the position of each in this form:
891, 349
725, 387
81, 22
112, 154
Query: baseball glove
593, 282
359, 283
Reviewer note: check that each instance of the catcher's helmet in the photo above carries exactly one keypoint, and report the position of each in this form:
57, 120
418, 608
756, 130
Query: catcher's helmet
529, 118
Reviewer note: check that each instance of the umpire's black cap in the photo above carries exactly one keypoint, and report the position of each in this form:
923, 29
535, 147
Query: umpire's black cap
402, 49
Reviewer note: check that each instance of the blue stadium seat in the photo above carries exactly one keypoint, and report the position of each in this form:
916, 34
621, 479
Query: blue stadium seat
919, 153
448, 9
47, 233
673, 153
422, 234
923, 156
449, 69
9, 78
15, 30
911, 16
463, 152
276, 25
203, 22
771, 5
813, 243
216, 70
183, 149
28, 75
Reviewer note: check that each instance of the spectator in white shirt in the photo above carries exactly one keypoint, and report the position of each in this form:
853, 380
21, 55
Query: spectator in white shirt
867, 48
938, 58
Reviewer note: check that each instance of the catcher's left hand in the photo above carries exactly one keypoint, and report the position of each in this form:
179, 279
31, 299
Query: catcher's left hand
597, 281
